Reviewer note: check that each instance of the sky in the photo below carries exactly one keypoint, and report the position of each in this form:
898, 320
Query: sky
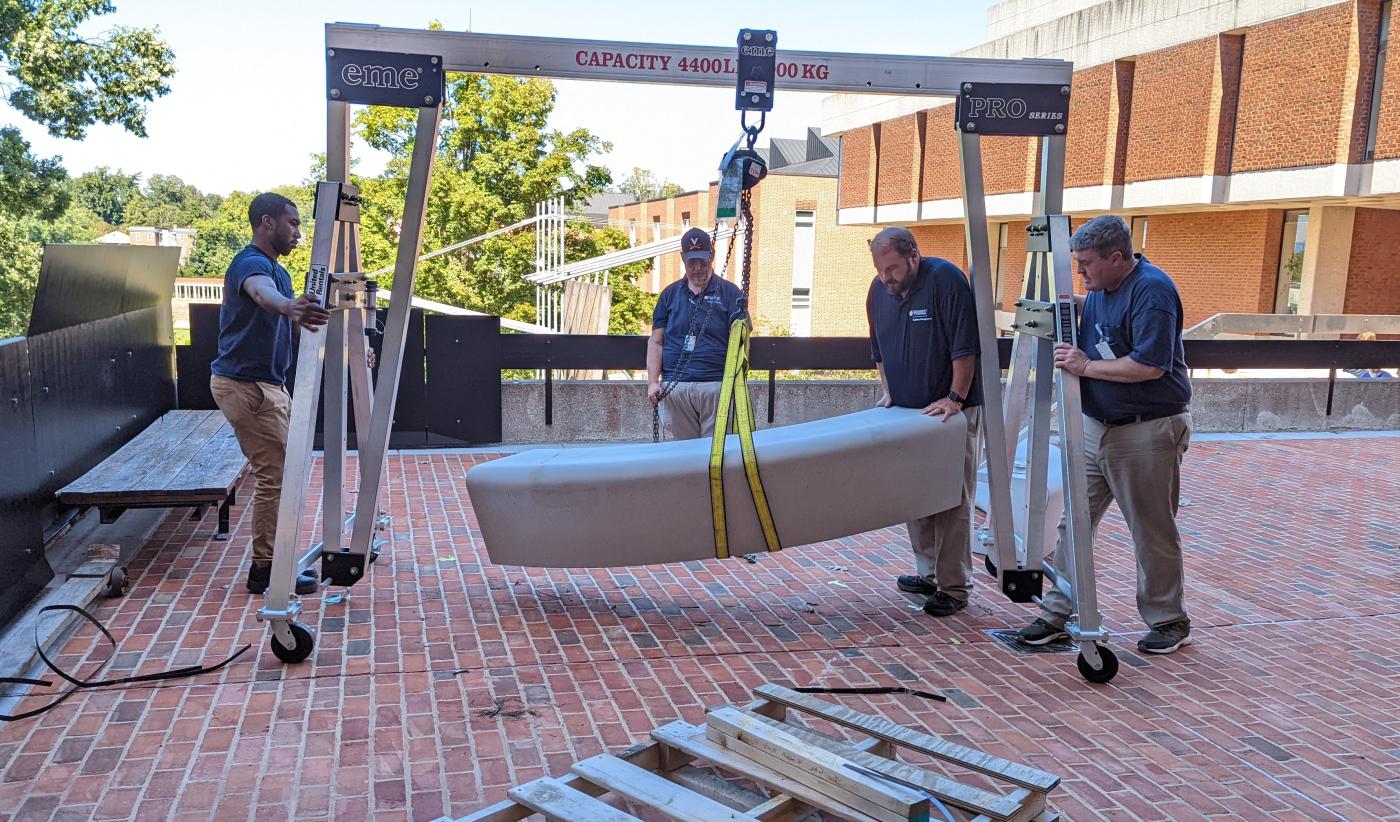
246, 110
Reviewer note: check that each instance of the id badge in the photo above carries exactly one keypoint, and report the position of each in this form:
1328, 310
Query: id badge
1105, 350
690, 343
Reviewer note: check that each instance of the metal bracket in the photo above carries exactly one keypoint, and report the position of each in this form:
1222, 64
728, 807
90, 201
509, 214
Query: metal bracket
758, 70
1022, 585
1035, 318
342, 568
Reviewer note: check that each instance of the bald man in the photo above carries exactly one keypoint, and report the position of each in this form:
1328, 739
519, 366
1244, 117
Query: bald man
923, 338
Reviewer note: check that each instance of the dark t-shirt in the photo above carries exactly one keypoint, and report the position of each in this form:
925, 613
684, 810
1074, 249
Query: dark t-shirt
1141, 319
254, 345
918, 337
675, 308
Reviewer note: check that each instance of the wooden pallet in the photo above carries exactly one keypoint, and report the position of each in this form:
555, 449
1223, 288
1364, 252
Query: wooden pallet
803, 772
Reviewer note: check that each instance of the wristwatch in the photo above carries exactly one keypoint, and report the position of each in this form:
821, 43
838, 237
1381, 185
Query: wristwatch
957, 398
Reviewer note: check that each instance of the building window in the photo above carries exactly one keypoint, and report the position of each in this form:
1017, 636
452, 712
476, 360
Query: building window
685, 219
1290, 261
1139, 228
804, 247
1375, 114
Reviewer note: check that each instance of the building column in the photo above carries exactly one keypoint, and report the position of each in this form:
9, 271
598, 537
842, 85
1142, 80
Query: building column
1327, 259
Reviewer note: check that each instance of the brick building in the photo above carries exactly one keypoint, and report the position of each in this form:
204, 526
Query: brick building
1253, 144
810, 273
183, 238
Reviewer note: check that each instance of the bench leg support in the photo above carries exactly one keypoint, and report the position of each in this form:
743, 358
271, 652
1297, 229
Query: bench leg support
222, 533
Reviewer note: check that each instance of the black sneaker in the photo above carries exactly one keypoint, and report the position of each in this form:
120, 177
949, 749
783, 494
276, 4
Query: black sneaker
941, 605
1163, 639
1040, 632
915, 584
260, 577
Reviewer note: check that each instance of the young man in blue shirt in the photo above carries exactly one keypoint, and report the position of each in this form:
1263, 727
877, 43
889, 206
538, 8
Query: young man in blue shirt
689, 341
249, 375
923, 338
1135, 389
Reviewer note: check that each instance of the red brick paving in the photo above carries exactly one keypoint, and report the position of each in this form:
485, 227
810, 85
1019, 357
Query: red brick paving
1287, 706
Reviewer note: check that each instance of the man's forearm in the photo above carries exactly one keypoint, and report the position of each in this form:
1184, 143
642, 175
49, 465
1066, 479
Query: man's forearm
653, 361
884, 383
963, 370
1122, 369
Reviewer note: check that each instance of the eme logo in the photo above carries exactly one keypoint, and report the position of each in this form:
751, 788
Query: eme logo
388, 77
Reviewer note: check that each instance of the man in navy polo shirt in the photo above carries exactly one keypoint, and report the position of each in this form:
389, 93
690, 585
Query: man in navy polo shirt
923, 338
689, 340
1133, 381
249, 375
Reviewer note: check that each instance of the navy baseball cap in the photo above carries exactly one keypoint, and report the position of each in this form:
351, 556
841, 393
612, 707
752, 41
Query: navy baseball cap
695, 245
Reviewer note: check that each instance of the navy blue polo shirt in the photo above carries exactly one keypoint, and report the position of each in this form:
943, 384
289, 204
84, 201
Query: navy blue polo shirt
1141, 319
254, 345
675, 309
917, 338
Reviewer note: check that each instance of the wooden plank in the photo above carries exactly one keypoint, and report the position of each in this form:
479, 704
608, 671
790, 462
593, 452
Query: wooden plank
815, 766
163, 433
646, 755
691, 739
971, 758
159, 472
218, 466
946, 790
559, 801
646, 788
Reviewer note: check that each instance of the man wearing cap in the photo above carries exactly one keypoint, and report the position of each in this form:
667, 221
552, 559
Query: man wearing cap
689, 340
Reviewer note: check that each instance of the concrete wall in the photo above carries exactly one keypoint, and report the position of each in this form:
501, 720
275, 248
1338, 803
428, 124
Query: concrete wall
616, 411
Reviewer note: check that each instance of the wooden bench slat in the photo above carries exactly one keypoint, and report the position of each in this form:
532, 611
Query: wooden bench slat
134, 457
971, 758
691, 739
218, 464
646, 788
182, 453
950, 791
556, 800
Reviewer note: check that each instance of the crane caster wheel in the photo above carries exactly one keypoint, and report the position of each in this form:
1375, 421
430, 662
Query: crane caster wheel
1104, 674
990, 566
118, 583
305, 641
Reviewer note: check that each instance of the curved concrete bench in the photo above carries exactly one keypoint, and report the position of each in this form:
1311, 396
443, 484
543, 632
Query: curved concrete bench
618, 505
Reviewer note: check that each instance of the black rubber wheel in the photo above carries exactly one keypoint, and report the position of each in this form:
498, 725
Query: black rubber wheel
991, 566
305, 641
1104, 674
117, 583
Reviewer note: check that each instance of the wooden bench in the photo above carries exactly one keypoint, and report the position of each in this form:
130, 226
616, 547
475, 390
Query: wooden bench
184, 459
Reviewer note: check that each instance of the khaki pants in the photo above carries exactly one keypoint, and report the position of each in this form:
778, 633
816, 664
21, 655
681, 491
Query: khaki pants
688, 412
259, 413
1139, 466
942, 542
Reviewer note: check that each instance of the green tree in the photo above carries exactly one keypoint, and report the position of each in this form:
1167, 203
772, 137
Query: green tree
168, 202
107, 193
19, 272
66, 82
223, 233
643, 184
496, 159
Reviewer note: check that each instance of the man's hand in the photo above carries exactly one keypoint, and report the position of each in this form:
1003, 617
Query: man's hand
654, 393
1071, 359
306, 312
885, 401
370, 358
945, 408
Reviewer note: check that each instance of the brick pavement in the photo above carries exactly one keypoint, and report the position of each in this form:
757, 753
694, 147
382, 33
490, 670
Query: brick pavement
444, 680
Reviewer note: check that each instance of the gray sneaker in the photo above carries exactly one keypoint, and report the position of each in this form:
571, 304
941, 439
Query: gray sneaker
1040, 632
1163, 639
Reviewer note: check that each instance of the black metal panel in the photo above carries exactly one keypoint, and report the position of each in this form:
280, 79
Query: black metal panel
84, 283
1014, 108
192, 361
383, 78
23, 566
410, 428
464, 378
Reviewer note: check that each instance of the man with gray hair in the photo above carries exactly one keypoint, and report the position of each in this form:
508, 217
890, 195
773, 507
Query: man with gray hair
923, 338
1135, 390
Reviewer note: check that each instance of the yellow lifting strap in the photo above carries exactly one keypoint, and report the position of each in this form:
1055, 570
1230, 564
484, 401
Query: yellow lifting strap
735, 390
